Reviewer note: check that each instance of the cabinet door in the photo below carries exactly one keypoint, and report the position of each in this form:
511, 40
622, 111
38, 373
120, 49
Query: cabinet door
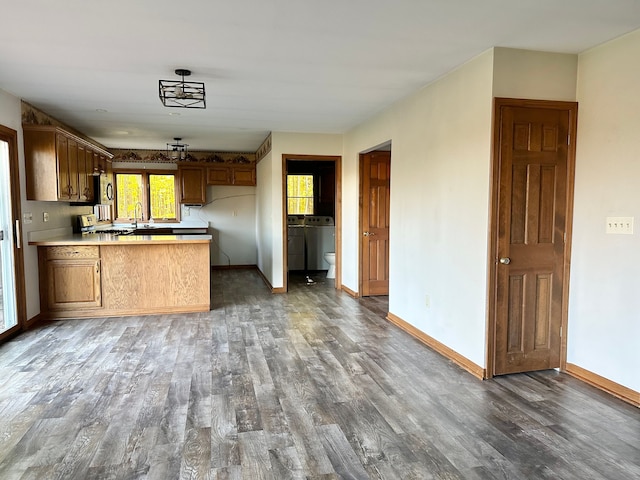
244, 176
219, 175
192, 185
85, 182
62, 152
88, 174
73, 284
73, 169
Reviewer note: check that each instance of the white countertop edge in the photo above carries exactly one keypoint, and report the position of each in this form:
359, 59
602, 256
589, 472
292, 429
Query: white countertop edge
110, 239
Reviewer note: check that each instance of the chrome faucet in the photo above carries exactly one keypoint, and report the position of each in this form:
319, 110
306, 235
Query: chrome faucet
135, 214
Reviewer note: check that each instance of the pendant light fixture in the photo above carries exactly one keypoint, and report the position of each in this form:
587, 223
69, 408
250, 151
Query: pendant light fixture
180, 93
177, 151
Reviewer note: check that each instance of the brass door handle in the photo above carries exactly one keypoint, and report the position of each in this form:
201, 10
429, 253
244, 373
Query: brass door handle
369, 234
505, 260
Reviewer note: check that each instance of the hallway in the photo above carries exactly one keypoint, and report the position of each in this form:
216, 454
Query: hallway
311, 384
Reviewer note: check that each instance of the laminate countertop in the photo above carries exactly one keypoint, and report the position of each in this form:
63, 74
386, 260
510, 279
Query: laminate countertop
111, 239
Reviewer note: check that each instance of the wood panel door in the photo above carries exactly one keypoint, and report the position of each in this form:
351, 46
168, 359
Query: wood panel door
376, 177
534, 166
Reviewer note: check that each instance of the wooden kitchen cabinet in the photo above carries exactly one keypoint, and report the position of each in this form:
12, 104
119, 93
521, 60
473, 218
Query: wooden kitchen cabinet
218, 175
96, 276
70, 277
57, 164
193, 189
231, 175
243, 176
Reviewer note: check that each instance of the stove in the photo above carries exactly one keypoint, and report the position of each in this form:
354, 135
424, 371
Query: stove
120, 231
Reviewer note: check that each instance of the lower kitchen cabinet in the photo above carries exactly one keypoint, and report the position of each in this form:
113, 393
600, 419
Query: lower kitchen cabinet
70, 277
143, 275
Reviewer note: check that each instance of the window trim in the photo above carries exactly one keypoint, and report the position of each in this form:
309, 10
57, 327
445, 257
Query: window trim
146, 197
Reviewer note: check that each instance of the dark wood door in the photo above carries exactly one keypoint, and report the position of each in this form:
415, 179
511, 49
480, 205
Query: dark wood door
376, 175
532, 225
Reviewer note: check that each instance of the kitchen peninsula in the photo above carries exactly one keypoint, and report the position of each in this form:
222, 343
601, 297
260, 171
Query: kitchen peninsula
104, 274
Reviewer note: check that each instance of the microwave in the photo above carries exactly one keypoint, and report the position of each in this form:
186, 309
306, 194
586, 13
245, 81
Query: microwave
103, 188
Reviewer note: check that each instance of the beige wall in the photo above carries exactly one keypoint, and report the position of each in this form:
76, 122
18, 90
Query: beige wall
440, 158
440, 183
270, 211
604, 306
534, 75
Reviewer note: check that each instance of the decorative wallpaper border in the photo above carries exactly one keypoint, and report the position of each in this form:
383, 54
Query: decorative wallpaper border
35, 116
160, 156
263, 149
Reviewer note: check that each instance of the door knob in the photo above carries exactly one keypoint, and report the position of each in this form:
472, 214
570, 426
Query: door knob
368, 234
505, 260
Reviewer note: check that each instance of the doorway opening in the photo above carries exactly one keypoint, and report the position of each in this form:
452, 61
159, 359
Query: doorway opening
12, 290
312, 219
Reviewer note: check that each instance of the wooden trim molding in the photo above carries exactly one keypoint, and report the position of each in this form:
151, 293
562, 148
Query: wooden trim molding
10, 136
602, 383
337, 162
234, 267
349, 292
471, 367
268, 283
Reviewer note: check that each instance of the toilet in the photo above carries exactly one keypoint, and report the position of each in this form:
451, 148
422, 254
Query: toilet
330, 258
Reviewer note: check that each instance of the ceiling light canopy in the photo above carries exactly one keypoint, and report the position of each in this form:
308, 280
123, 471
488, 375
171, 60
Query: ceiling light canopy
177, 150
178, 93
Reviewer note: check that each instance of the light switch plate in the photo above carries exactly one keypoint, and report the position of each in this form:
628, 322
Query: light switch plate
619, 225
27, 218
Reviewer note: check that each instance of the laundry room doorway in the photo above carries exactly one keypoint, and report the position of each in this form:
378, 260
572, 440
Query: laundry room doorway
311, 219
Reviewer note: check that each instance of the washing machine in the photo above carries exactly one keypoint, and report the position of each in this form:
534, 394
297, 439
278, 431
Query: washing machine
295, 242
320, 234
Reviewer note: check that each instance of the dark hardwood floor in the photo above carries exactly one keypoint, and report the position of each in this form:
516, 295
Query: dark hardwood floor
308, 385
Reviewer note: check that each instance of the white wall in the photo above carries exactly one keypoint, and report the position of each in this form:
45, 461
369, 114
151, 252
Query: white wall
270, 196
440, 166
264, 215
604, 307
231, 215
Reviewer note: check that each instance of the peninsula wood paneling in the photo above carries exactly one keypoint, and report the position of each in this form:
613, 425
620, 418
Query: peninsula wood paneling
151, 278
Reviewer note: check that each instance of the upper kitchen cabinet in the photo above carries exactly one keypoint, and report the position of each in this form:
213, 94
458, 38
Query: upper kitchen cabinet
193, 189
59, 164
231, 175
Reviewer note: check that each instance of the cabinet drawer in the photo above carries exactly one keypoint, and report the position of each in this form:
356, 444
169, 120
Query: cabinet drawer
71, 252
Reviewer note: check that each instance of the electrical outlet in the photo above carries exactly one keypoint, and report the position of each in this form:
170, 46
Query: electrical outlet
235, 213
27, 218
619, 225
45, 216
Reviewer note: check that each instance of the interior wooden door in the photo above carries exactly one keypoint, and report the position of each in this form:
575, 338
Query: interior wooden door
533, 186
376, 177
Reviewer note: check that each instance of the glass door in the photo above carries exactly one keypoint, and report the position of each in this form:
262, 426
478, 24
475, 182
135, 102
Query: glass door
11, 279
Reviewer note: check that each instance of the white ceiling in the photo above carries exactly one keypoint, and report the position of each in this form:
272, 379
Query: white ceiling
269, 65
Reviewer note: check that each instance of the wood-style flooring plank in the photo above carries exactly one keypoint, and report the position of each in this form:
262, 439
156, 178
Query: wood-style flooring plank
311, 384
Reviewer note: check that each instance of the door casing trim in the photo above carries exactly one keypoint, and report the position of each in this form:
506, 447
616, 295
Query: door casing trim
11, 137
337, 159
494, 192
